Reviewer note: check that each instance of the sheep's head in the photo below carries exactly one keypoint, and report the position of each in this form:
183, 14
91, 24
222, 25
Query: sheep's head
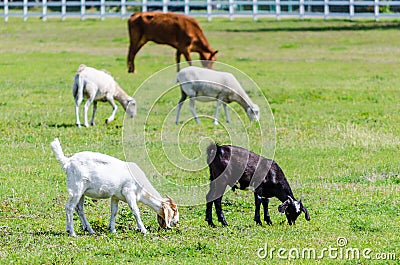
253, 112
131, 108
292, 209
169, 214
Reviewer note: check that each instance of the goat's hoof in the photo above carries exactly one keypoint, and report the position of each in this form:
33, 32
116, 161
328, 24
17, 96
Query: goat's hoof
224, 223
258, 223
211, 224
78, 125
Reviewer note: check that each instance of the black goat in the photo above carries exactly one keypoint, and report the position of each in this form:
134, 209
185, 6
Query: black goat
240, 168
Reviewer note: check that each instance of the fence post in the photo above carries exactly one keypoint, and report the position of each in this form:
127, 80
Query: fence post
187, 10
164, 6
326, 9
5, 10
278, 9
83, 9
63, 9
351, 7
255, 10
231, 9
123, 8
102, 9
301, 7
144, 5
44, 10
376, 10
209, 10
25, 13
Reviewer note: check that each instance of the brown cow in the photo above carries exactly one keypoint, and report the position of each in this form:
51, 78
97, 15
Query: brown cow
177, 30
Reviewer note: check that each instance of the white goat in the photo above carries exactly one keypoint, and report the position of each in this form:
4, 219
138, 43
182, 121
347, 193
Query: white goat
98, 85
207, 85
101, 176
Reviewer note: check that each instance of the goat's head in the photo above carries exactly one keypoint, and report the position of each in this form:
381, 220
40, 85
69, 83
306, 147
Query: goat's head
131, 108
292, 209
169, 214
253, 112
208, 61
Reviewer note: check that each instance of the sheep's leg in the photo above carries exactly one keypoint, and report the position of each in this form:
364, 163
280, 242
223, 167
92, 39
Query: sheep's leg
86, 109
180, 103
79, 209
257, 202
219, 102
218, 208
209, 214
267, 219
135, 210
78, 102
114, 210
115, 108
94, 112
191, 105
228, 119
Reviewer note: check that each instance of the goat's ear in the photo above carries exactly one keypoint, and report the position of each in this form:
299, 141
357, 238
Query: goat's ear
161, 221
305, 213
282, 208
167, 217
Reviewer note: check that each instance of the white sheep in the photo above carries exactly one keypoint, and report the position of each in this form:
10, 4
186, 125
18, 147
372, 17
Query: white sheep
207, 85
101, 176
96, 86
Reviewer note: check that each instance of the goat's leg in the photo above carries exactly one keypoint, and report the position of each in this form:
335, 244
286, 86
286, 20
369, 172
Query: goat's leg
114, 210
131, 200
94, 112
115, 108
267, 219
228, 119
257, 202
220, 214
69, 209
180, 103
79, 209
209, 214
191, 105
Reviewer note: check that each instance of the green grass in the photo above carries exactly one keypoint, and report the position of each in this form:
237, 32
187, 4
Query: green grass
333, 87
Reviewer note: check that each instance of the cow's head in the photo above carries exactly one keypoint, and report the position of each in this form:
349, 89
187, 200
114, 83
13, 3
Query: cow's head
208, 59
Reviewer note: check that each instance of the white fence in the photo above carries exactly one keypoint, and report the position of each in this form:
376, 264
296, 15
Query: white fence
374, 9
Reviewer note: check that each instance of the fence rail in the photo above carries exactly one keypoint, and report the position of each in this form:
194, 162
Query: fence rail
351, 9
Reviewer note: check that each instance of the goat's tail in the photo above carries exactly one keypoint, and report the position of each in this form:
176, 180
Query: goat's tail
56, 146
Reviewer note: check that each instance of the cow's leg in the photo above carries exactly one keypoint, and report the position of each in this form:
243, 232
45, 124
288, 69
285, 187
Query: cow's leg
265, 202
188, 58
135, 45
257, 202
218, 209
180, 103
178, 60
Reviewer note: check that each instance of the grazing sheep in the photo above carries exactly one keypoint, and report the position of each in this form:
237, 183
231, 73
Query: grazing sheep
240, 168
101, 176
96, 86
208, 85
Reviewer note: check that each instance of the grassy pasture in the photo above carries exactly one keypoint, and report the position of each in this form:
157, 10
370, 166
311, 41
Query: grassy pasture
333, 89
